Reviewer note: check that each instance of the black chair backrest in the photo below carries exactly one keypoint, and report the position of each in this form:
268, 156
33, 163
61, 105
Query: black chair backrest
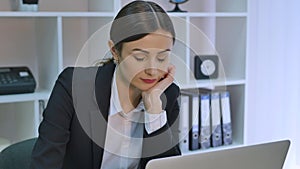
18, 155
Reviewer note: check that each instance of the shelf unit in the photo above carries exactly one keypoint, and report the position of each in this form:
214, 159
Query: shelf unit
51, 39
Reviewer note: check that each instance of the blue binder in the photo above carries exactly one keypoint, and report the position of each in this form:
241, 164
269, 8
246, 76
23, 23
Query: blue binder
226, 118
205, 130
216, 120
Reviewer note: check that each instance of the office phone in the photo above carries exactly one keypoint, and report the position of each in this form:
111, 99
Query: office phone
16, 80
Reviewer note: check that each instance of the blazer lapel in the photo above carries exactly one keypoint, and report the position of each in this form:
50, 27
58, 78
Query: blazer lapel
99, 118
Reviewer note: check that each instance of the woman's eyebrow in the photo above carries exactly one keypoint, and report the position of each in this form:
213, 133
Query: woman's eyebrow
141, 50
166, 50
147, 52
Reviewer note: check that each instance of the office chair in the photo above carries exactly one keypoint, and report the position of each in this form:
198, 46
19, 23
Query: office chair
17, 155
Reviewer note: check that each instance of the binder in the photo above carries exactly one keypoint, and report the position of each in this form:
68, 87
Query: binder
205, 131
184, 124
216, 138
193, 119
226, 118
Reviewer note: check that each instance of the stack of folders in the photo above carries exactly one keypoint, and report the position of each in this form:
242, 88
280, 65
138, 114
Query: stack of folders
205, 119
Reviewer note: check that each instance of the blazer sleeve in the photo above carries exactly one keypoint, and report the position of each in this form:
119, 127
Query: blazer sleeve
165, 141
49, 150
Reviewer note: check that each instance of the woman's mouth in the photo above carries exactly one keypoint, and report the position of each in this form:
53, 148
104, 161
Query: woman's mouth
149, 81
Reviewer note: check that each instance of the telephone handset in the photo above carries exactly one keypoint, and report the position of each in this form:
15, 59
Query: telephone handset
15, 80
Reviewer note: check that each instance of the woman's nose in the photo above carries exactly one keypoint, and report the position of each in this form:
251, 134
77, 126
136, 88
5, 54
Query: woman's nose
151, 67
151, 71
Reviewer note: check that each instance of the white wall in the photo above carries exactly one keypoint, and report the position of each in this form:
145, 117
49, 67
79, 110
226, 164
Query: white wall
274, 74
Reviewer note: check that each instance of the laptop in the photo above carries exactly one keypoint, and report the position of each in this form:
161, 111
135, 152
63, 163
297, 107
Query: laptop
269, 155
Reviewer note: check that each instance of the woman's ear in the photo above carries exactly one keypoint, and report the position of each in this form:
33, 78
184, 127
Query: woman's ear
113, 50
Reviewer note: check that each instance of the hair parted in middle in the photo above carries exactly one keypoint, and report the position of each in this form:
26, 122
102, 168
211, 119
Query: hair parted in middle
138, 19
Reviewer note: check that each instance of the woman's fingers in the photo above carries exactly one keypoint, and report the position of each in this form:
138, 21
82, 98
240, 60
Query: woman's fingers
165, 82
152, 96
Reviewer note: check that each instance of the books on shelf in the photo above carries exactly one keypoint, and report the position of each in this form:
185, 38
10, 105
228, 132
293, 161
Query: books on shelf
205, 119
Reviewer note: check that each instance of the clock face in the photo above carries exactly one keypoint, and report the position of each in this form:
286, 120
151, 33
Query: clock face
208, 67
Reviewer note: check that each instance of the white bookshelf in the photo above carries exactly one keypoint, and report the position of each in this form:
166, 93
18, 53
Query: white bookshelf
51, 39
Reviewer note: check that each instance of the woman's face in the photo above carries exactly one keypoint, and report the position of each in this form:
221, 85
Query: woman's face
145, 61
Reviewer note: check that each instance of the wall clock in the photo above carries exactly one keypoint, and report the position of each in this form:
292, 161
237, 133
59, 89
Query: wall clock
206, 66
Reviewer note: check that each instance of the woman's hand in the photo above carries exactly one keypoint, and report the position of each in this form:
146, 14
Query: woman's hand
151, 97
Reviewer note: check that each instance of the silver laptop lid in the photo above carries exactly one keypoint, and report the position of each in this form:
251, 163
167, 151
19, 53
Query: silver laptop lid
259, 156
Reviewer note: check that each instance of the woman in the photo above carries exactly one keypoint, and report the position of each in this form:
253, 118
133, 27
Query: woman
123, 113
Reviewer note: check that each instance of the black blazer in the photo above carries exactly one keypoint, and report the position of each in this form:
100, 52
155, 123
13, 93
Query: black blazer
78, 110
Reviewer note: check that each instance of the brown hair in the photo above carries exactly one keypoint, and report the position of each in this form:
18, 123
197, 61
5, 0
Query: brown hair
136, 20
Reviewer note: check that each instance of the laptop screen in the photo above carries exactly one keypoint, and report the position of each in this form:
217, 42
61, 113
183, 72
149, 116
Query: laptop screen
269, 155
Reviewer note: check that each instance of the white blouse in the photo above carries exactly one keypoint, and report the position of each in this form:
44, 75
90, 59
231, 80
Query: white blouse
124, 136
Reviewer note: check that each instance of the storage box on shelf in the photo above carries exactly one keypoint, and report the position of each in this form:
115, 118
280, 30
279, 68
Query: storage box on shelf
51, 39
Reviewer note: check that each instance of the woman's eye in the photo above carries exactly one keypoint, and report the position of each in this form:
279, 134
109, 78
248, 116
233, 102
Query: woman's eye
160, 60
162, 57
139, 57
